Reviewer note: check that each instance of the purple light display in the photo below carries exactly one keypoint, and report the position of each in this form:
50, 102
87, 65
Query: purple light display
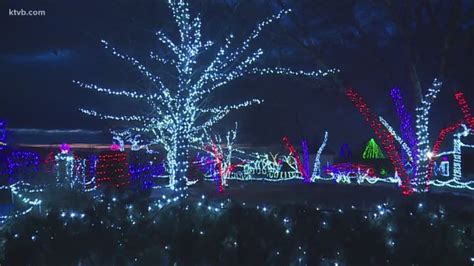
405, 124
65, 148
144, 169
22, 163
208, 166
349, 169
345, 152
115, 147
146, 173
304, 146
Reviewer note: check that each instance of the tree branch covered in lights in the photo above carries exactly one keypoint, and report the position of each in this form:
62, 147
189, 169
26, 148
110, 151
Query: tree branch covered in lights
223, 156
423, 153
418, 148
179, 112
317, 161
466, 111
299, 163
400, 141
405, 124
422, 160
385, 137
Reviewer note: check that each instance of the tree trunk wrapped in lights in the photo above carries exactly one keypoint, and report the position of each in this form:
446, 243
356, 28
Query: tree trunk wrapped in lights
417, 147
317, 161
299, 163
423, 157
179, 114
415, 143
386, 138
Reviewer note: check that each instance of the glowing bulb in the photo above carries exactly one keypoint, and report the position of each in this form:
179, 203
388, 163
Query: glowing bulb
429, 155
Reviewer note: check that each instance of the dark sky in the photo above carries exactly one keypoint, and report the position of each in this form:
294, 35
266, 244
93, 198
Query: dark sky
371, 43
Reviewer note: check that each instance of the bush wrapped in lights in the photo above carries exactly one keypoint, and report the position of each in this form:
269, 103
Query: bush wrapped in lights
118, 229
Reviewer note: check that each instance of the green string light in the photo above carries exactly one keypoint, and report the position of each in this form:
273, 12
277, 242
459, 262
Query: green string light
372, 151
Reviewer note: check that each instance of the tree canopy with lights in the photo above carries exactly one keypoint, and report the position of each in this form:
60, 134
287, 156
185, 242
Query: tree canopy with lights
180, 109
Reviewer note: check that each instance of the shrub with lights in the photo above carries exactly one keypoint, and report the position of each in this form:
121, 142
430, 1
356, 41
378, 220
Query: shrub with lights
120, 228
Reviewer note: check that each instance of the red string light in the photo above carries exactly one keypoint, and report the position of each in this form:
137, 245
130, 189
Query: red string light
466, 111
218, 161
221, 169
384, 136
49, 162
295, 155
112, 169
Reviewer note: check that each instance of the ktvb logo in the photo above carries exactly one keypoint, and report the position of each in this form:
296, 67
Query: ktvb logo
26, 13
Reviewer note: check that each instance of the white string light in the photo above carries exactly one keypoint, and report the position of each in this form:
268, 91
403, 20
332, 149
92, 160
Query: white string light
422, 134
127, 136
402, 143
457, 176
179, 115
317, 161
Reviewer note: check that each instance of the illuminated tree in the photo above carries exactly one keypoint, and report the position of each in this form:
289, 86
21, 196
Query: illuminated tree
423, 155
385, 137
418, 139
317, 160
299, 163
223, 155
414, 142
372, 151
179, 112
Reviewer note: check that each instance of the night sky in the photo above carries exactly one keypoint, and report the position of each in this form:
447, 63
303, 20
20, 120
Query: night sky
374, 46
